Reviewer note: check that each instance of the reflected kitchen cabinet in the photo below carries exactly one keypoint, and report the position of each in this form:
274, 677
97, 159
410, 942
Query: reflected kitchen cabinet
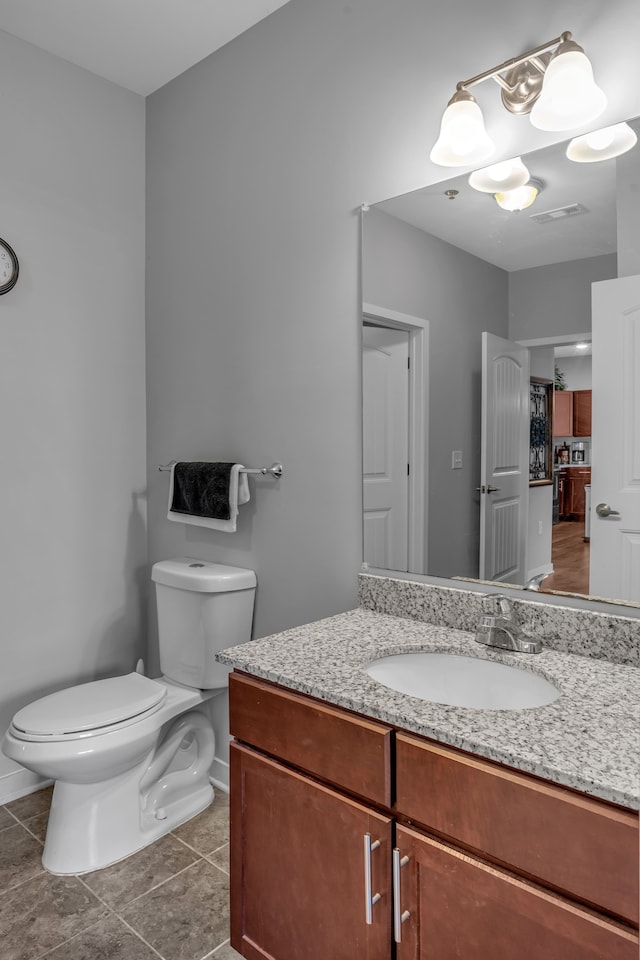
563, 413
578, 478
572, 413
582, 413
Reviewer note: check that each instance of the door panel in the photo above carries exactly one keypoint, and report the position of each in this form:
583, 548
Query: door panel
615, 474
504, 482
298, 858
385, 390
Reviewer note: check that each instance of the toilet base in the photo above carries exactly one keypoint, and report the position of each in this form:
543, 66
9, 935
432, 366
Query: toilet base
76, 845
93, 825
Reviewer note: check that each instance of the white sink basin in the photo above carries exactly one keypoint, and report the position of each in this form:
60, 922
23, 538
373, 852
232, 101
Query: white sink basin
463, 681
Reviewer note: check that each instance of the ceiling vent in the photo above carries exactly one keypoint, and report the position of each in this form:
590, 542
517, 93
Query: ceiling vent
560, 213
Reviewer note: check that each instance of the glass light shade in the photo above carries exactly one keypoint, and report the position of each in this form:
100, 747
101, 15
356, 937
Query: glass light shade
518, 199
602, 144
463, 139
570, 96
501, 177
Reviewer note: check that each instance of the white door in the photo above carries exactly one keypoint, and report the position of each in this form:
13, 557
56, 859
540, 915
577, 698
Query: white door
615, 474
504, 460
385, 404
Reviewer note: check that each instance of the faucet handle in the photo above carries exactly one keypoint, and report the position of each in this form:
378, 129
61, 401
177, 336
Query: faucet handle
501, 604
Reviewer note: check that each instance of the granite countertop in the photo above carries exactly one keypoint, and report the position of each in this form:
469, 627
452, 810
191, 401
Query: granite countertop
589, 738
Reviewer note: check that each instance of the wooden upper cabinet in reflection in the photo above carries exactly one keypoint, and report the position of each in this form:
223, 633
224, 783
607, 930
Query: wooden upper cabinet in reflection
572, 413
563, 413
582, 413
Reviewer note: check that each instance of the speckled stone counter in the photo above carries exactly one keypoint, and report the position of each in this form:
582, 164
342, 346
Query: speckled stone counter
589, 738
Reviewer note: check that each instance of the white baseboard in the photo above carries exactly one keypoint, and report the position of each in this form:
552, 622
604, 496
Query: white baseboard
18, 783
219, 774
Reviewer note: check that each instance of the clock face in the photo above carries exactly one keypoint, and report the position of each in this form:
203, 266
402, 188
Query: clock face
8, 267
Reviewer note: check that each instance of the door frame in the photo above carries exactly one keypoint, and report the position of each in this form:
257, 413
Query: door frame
418, 330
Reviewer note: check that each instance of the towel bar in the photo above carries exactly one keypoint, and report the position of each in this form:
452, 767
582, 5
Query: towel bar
275, 469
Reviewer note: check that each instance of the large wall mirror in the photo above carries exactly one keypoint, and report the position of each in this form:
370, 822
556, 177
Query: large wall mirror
474, 318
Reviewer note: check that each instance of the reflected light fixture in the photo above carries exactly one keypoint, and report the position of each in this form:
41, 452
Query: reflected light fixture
520, 198
553, 82
602, 144
503, 176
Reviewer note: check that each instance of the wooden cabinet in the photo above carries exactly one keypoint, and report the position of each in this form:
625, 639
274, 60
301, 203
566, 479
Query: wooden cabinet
487, 862
563, 494
484, 806
578, 478
563, 413
582, 413
572, 413
298, 867
462, 907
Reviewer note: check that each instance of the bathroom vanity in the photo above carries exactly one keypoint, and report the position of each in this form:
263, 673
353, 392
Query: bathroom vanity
369, 824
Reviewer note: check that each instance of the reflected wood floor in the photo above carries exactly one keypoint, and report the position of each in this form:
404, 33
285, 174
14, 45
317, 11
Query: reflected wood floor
570, 557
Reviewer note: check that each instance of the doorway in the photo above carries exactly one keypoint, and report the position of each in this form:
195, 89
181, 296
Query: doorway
414, 521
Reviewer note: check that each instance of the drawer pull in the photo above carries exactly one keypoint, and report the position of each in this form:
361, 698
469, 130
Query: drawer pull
369, 900
399, 916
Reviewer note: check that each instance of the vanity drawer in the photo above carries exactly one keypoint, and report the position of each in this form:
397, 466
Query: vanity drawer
579, 845
330, 743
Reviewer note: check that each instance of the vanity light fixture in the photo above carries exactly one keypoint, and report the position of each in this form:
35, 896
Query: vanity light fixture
520, 198
503, 176
553, 82
602, 144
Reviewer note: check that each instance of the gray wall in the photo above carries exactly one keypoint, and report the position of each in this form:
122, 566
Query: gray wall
555, 300
259, 158
407, 270
72, 388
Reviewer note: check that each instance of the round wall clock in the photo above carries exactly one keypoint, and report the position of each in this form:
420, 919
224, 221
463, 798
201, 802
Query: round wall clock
9, 267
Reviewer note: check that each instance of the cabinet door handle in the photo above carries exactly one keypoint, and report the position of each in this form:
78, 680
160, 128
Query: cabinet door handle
369, 900
399, 916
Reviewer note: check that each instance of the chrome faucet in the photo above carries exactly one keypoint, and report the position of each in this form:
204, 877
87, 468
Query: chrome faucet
499, 629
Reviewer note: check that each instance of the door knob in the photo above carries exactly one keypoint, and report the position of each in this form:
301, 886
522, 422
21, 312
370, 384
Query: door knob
491, 489
604, 510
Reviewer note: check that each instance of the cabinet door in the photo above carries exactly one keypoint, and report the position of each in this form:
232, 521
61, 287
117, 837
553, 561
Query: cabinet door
582, 413
562, 413
577, 483
298, 867
460, 908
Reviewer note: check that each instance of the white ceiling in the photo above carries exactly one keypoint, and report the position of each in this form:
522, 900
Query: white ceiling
138, 44
513, 241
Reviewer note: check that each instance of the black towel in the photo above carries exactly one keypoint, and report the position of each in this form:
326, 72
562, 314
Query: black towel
201, 489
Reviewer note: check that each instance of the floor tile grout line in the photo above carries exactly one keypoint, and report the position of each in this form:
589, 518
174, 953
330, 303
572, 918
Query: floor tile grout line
195, 850
140, 937
141, 895
32, 834
49, 950
13, 817
81, 933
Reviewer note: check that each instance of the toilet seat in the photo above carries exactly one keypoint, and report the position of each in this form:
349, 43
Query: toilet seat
89, 709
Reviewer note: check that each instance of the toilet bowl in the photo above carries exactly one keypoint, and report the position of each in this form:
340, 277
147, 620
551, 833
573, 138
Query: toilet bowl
130, 756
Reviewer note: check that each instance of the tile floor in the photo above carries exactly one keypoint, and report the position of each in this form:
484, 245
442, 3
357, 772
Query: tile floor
169, 901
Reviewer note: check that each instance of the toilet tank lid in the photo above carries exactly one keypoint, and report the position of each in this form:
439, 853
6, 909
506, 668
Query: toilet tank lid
202, 575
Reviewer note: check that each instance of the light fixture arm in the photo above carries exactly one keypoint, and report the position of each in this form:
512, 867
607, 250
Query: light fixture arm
531, 56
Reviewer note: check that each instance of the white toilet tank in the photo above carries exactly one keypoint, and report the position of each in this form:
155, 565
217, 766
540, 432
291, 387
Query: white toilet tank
203, 607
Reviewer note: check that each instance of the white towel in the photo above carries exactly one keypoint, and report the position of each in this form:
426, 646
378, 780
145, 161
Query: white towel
238, 494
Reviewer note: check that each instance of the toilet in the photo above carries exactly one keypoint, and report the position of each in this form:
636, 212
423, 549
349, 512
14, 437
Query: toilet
130, 756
